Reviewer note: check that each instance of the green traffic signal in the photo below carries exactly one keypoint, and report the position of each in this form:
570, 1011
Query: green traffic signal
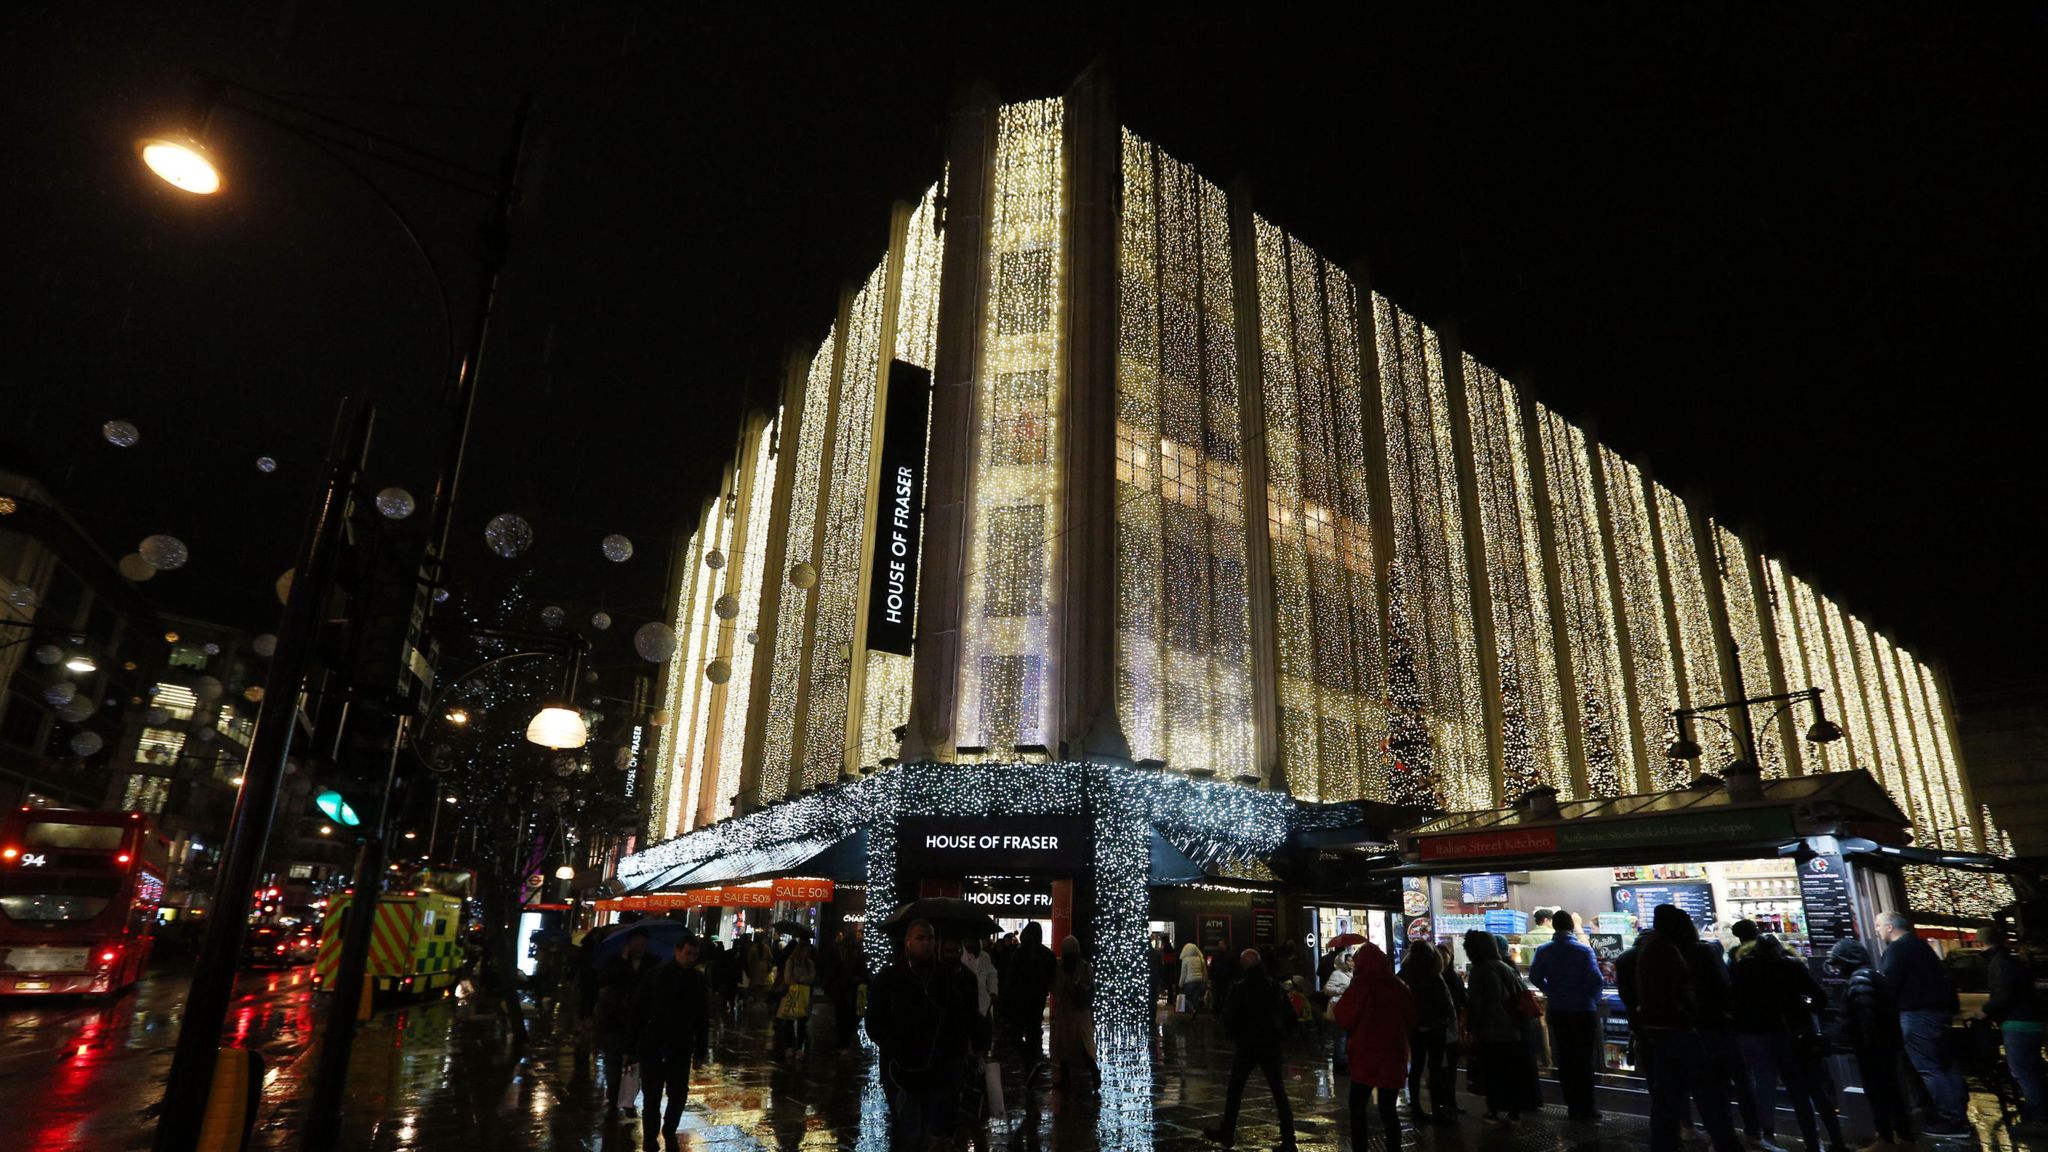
337, 809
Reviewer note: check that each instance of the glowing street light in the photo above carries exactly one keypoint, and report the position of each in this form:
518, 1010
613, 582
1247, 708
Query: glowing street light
181, 165
81, 663
458, 717
565, 872
557, 727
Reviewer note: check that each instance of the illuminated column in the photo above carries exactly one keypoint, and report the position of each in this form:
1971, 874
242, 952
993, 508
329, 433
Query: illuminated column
775, 581
1084, 708
1714, 573
935, 681
1476, 561
1611, 545
1244, 273
812, 551
1668, 586
1790, 734
1541, 486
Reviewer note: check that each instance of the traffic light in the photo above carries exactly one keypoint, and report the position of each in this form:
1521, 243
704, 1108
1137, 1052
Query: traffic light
337, 808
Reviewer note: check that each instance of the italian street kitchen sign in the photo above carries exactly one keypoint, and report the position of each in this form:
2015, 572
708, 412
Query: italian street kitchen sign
899, 509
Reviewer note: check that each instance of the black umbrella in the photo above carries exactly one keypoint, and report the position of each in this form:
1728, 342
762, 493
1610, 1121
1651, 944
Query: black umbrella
792, 928
661, 936
952, 919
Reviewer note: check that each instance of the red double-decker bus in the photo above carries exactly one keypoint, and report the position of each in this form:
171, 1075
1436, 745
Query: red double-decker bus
78, 898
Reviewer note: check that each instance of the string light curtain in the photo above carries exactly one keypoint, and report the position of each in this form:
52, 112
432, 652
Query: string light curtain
740, 635
1184, 691
1014, 527
1436, 744
1818, 671
1533, 743
1699, 661
1650, 651
699, 635
1745, 624
778, 744
665, 809
1588, 601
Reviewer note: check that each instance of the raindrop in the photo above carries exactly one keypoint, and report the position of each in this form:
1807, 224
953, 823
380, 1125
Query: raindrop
394, 503
508, 534
655, 642
164, 553
120, 433
265, 464
617, 548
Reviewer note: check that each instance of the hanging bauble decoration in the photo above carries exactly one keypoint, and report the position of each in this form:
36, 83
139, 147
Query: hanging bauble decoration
212, 649
600, 620
394, 504
120, 433
23, 597
655, 642
157, 717
753, 637
714, 559
508, 534
164, 553
803, 575
77, 709
59, 694
617, 548
718, 671
265, 464
726, 606
207, 689
283, 586
87, 743
553, 616
48, 654
134, 567
264, 645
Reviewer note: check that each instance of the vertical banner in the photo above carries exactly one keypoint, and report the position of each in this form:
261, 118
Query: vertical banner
899, 510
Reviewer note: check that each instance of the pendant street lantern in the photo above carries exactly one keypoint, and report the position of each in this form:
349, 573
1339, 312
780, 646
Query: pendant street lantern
557, 727
181, 165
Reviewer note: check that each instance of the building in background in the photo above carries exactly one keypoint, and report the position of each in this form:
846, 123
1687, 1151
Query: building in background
1208, 550
2005, 743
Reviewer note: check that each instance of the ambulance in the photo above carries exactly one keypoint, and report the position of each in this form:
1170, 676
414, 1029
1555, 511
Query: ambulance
415, 946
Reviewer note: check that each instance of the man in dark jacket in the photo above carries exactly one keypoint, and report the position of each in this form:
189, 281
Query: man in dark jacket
2016, 1006
925, 1017
1569, 975
1927, 1004
617, 977
1255, 1016
1660, 980
1025, 982
671, 1034
1867, 1024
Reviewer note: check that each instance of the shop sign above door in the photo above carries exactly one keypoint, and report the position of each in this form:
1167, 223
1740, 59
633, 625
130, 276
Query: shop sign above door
990, 845
1596, 835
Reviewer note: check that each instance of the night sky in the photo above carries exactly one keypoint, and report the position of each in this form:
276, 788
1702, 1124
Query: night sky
1794, 265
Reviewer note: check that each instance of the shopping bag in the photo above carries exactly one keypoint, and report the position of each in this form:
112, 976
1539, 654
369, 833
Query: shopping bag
796, 1003
1181, 1004
992, 1074
629, 1085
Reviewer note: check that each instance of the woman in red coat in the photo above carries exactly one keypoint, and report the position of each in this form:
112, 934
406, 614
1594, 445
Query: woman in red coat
1378, 1013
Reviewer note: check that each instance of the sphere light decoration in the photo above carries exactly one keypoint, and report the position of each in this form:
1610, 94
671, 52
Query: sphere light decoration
617, 549
553, 616
266, 465
557, 727
440, 595
207, 689
87, 743
23, 597
803, 575
134, 568
49, 654
77, 709
726, 606
718, 671
204, 735
211, 649
120, 433
714, 559
157, 717
753, 637
508, 534
59, 694
264, 645
164, 553
657, 718
655, 642
395, 504
253, 693
565, 873
600, 620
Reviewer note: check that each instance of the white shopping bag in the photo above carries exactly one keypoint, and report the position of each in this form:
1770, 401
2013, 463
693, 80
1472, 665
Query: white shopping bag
993, 1072
1181, 1005
629, 1086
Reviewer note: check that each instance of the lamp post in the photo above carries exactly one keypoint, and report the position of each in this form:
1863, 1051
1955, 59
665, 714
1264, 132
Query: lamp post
189, 164
1684, 747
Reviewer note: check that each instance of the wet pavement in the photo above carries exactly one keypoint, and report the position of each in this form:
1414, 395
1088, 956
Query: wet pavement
440, 1075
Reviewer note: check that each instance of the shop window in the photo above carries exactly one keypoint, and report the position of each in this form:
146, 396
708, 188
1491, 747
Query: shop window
188, 656
146, 794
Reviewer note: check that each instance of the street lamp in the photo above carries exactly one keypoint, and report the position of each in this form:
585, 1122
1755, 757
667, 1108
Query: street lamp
181, 165
1684, 747
565, 872
81, 663
557, 727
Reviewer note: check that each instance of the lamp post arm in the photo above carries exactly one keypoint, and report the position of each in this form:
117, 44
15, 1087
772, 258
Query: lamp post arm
344, 133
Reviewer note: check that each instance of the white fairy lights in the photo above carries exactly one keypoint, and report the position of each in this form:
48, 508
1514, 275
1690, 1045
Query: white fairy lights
1642, 602
1746, 625
778, 757
744, 576
1588, 601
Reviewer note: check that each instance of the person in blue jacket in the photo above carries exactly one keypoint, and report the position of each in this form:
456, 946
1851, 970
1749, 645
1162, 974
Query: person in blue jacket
1569, 975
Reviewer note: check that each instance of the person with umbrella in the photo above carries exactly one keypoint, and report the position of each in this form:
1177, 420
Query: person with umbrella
922, 1015
622, 960
671, 1035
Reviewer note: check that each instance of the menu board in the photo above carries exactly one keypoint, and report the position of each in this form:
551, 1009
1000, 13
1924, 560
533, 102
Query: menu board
1485, 888
1265, 925
1695, 900
1830, 914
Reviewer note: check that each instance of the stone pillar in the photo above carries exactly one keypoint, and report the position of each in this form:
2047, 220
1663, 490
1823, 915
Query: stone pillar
1791, 731
774, 576
1638, 723
1251, 410
935, 680
1475, 560
1553, 590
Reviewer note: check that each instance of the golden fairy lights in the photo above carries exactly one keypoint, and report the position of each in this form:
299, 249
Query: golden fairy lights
778, 745
1641, 603
1183, 607
1739, 594
699, 636
1699, 661
1007, 652
738, 637
1588, 601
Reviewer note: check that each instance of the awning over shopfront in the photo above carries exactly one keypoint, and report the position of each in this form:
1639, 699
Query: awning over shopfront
838, 858
1704, 821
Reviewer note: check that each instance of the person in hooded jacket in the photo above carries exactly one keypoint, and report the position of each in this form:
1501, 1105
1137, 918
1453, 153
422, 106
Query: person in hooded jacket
1507, 1066
1659, 981
1773, 998
1436, 1025
1866, 1023
1377, 1011
1194, 975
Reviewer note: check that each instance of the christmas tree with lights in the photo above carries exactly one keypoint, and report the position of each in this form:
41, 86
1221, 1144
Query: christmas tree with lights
1406, 749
